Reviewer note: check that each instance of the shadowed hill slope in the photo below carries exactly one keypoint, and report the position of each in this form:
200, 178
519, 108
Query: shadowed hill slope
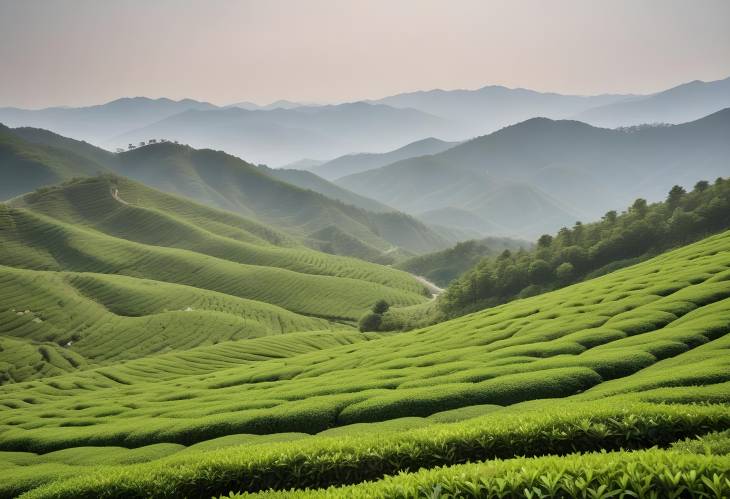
218, 179
535, 176
313, 182
356, 163
25, 167
222, 181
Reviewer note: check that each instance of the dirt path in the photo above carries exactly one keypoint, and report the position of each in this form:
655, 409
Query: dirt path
435, 290
115, 195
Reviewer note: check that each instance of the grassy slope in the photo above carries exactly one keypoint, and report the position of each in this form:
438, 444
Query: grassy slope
571, 342
150, 217
107, 318
25, 166
87, 278
215, 179
655, 332
93, 232
22, 359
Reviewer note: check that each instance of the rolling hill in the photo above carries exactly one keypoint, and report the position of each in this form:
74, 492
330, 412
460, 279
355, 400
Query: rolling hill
356, 163
25, 167
610, 365
104, 269
223, 181
540, 174
218, 179
140, 226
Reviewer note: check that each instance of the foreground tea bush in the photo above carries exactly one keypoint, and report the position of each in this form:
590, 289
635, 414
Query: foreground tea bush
323, 462
653, 473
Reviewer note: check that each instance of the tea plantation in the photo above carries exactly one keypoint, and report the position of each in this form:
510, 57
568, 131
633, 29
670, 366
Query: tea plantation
588, 391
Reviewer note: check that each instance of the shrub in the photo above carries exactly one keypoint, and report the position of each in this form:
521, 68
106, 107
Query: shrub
325, 462
370, 322
380, 307
653, 473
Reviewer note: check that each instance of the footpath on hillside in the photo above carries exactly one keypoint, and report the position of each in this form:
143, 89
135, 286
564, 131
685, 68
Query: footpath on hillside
435, 290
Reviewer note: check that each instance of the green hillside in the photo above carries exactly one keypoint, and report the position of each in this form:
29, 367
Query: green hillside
103, 269
224, 181
444, 266
588, 250
219, 180
25, 167
89, 226
616, 350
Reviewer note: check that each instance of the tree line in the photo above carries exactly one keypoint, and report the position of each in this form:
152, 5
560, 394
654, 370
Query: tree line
588, 250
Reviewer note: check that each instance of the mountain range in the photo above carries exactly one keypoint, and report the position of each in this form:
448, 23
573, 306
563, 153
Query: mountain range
34, 158
680, 104
97, 124
284, 132
538, 175
356, 163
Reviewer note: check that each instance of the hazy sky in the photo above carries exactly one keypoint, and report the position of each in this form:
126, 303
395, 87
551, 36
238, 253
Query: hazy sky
77, 52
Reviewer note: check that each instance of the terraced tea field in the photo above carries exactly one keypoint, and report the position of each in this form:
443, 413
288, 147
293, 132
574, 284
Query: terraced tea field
82, 228
629, 355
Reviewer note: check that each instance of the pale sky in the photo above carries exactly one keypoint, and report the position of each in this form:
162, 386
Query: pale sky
80, 52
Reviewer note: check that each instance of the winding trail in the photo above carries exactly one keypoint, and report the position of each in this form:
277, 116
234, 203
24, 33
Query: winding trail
115, 195
435, 290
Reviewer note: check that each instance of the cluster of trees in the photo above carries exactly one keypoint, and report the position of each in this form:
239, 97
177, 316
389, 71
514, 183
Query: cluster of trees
444, 266
373, 319
588, 250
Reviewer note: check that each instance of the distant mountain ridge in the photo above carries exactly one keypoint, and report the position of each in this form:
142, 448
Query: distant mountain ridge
280, 136
679, 104
540, 174
99, 123
284, 131
484, 110
356, 163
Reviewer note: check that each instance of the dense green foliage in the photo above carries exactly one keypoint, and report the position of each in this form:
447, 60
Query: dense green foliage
173, 350
592, 249
22, 359
652, 473
322, 461
602, 338
442, 267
